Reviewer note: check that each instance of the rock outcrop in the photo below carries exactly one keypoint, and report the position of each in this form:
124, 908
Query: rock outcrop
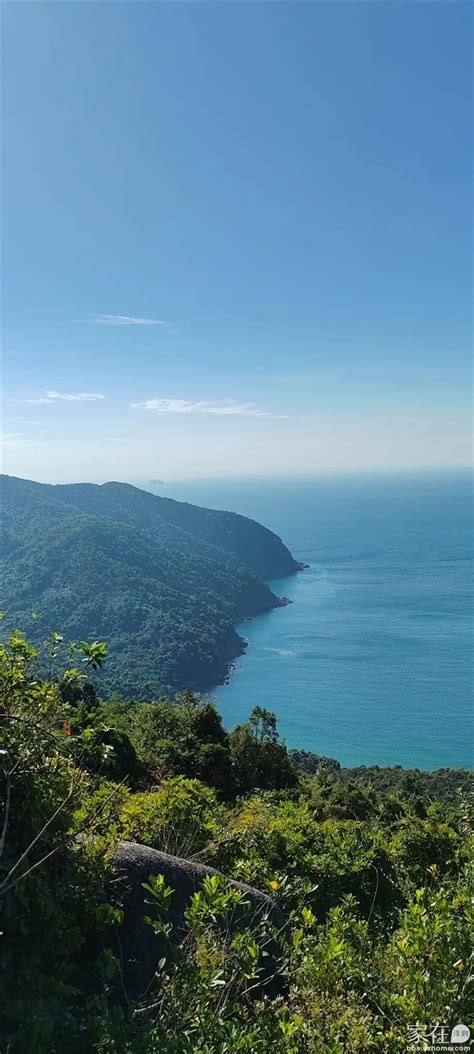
141, 947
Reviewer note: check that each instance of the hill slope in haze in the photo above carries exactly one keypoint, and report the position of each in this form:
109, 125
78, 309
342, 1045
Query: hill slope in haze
162, 581
255, 546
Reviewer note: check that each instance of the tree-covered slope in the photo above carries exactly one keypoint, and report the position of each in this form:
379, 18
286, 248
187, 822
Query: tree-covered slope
103, 562
257, 547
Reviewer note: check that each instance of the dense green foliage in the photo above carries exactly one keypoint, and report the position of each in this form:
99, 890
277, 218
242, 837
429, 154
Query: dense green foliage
371, 866
442, 784
163, 581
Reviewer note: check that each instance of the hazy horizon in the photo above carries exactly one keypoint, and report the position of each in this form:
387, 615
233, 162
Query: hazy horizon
355, 474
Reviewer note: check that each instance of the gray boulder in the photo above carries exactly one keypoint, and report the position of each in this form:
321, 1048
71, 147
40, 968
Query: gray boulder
141, 948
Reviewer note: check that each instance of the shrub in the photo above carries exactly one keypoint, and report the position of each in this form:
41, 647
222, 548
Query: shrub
180, 818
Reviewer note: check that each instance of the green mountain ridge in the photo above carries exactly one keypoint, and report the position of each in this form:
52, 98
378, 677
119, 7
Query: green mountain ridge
163, 581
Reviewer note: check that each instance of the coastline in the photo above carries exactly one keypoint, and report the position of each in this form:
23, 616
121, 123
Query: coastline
282, 602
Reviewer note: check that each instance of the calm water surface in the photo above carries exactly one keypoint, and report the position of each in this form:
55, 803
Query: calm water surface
372, 662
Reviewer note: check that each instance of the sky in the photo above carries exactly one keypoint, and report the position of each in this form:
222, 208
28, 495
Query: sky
237, 238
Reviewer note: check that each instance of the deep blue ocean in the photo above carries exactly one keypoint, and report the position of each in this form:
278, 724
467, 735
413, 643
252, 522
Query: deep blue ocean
372, 662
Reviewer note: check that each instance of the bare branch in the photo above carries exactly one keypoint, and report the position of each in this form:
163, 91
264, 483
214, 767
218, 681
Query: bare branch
6, 815
4, 884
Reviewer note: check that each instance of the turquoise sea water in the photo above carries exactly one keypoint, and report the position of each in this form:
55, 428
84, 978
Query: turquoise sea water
372, 662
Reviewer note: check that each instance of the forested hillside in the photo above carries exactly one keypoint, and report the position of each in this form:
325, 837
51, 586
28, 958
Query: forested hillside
255, 546
164, 582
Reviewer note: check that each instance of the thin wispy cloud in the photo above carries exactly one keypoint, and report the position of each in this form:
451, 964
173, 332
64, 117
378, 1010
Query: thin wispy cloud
65, 397
19, 439
20, 418
202, 407
126, 320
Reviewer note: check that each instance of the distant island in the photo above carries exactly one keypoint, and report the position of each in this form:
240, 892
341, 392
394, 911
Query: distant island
164, 582
157, 482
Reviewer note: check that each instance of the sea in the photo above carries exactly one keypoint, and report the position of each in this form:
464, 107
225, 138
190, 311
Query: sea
372, 662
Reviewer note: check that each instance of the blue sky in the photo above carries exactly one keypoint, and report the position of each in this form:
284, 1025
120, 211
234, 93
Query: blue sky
237, 238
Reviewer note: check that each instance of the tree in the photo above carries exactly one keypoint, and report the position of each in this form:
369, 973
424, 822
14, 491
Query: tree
260, 758
263, 725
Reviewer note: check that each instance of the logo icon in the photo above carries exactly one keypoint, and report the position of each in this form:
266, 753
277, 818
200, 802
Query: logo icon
460, 1034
